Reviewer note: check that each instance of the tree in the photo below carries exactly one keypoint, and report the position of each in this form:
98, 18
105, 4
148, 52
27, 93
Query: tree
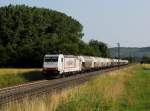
28, 33
145, 59
100, 48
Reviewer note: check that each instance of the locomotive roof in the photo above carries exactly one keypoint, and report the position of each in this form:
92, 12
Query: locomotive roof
48, 55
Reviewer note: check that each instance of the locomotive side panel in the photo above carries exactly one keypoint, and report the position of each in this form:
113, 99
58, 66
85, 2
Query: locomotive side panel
71, 64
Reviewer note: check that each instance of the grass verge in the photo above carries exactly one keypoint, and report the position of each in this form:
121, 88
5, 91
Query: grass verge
9, 77
123, 90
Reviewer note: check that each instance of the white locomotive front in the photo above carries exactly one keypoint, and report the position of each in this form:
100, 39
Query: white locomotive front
59, 64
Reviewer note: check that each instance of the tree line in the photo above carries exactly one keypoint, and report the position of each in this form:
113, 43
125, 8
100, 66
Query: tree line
28, 33
145, 59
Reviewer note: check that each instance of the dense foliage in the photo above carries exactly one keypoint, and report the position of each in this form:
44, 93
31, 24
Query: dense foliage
145, 59
99, 48
27, 33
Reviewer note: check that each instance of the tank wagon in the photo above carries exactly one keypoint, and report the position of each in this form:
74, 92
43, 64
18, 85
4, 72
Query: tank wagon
59, 64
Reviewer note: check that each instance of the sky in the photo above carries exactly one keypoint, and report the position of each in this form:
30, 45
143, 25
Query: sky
110, 21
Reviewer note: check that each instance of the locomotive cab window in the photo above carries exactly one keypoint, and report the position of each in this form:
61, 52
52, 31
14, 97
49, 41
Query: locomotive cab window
51, 59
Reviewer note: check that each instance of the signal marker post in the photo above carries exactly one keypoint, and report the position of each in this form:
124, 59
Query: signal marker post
118, 55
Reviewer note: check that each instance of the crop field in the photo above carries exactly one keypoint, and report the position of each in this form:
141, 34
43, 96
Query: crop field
124, 90
146, 66
13, 76
6, 71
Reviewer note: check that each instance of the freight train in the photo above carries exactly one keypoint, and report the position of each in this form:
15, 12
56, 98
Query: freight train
59, 64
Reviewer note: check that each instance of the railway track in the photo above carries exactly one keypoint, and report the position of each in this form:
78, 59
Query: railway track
43, 87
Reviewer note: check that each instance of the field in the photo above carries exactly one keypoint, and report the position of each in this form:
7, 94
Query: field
9, 77
124, 90
146, 66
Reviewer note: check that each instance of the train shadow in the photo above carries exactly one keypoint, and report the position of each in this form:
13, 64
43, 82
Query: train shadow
32, 76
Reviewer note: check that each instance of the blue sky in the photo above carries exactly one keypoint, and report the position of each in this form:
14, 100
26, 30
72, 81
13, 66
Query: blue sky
110, 21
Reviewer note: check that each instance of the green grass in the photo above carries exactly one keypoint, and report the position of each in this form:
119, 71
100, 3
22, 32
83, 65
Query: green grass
138, 88
9, 77
124, 90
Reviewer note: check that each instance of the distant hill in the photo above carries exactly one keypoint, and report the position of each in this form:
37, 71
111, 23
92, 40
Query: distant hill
130, 52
